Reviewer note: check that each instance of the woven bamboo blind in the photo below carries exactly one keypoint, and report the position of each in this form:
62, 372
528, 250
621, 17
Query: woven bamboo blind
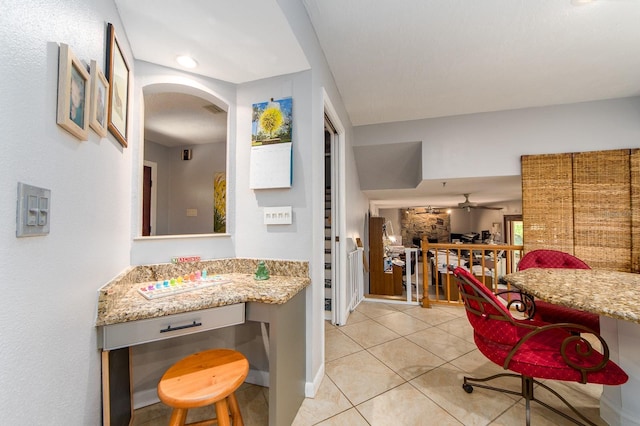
547, 202
602, 209
635, 210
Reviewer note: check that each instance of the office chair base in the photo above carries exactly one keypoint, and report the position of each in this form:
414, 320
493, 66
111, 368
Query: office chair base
527, 393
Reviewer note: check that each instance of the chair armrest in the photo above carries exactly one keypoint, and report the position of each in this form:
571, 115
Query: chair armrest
575, 343
525, 304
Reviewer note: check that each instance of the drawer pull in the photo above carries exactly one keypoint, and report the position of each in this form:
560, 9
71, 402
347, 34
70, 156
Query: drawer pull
182, 327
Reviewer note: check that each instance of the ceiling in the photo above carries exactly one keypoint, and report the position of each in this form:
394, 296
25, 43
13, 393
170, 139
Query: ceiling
414, 59
234, 41
411, 59
178, 119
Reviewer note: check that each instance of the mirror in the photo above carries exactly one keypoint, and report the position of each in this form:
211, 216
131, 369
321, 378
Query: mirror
185, 159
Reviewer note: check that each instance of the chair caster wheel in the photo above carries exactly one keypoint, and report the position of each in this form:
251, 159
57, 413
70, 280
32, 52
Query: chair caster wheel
467, 388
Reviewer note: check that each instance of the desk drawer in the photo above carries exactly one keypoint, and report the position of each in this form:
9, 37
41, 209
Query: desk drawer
143, 331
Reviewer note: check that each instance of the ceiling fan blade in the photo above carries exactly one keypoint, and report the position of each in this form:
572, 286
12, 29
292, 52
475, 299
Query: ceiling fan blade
478, 207
469, 205
487, 208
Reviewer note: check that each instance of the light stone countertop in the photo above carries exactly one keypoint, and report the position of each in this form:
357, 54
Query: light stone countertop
609, 293
119, 300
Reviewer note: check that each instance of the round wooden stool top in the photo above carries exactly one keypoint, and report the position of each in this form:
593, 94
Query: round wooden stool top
203, 378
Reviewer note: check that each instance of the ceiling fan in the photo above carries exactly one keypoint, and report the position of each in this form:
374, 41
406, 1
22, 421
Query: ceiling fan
429, 210
468, 205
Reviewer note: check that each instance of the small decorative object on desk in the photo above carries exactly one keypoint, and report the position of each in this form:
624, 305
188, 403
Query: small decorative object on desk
185, 259
262, 273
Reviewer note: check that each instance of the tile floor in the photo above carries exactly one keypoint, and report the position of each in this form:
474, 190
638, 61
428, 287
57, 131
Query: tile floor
396, 364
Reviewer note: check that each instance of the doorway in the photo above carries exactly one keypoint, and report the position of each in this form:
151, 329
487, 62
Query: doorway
149, 198
331, 234
513, 229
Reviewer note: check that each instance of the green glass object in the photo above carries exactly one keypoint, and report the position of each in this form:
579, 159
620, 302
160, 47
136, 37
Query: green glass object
262, 273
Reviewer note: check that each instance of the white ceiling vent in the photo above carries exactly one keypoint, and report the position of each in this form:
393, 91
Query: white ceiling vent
214, 109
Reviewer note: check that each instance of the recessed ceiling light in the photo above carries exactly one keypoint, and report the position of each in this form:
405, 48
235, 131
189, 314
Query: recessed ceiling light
186, 61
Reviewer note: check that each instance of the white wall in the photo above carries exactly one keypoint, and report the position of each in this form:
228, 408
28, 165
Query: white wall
191, 187
49, 361
253, 238
323, 90
490, 144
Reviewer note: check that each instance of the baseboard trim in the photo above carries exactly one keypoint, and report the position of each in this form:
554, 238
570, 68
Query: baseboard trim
311, 388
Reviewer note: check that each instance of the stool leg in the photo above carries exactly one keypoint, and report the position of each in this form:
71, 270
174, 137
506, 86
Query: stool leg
234, 407
222, 412
178, 417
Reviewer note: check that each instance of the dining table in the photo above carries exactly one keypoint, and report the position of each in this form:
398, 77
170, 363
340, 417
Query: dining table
615, 297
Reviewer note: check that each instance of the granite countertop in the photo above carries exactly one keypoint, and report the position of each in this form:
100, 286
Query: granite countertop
609, 293
119, 300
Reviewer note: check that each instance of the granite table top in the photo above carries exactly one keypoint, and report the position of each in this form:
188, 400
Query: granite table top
119, 300
609, 293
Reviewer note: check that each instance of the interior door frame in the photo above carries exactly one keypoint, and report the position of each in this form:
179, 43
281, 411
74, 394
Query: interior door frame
335, 235
508, 236
338, 201
154, 195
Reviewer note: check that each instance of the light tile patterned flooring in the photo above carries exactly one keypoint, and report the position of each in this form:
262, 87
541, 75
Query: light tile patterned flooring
396, 364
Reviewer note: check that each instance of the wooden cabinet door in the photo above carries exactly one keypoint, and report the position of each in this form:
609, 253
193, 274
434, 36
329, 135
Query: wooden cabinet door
376, 256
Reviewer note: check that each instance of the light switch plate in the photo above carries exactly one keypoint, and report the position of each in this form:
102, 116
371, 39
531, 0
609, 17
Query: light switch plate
278, 215
33, 211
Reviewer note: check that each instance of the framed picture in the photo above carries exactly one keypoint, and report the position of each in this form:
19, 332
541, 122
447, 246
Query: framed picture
272, 122
119, 78
99, 90
73, 94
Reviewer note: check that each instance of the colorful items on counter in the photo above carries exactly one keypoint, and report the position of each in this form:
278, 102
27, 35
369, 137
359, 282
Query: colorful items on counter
180, 284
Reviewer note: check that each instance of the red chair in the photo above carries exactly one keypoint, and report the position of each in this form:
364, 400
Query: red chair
532, 349
549, 312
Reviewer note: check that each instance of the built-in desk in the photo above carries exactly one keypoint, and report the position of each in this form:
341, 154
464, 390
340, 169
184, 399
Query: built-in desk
125, 319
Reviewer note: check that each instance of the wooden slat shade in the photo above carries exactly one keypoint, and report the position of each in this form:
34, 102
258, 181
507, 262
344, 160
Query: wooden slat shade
602, 209
635, 210
547, 202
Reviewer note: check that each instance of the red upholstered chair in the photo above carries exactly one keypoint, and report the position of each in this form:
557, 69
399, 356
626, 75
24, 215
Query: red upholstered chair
532, 349
549, 312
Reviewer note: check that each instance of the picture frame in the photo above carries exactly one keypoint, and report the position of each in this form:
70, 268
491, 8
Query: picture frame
119, 78
73, 94
99, 89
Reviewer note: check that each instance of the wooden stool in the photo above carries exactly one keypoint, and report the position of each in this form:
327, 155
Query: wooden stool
201, 379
